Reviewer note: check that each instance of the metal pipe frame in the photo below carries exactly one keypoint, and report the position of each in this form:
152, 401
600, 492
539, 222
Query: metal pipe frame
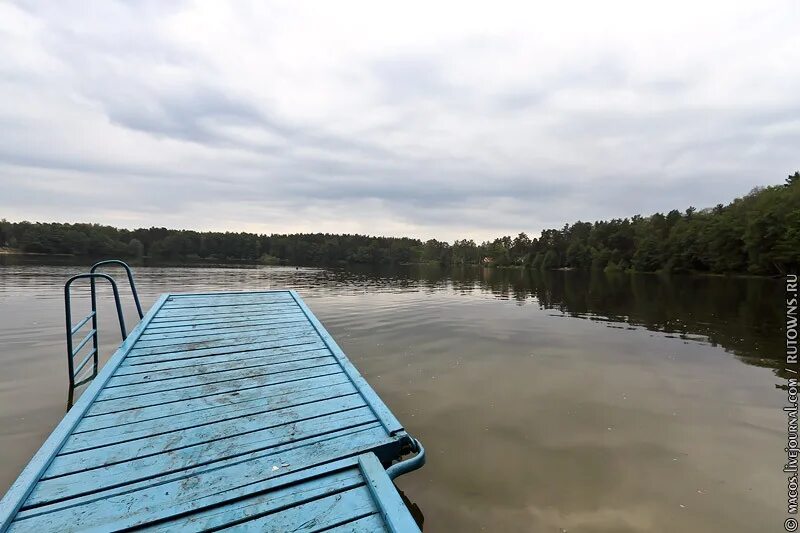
71, 330
128, 271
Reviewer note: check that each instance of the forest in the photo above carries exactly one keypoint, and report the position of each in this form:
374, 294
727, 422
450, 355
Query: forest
756, 234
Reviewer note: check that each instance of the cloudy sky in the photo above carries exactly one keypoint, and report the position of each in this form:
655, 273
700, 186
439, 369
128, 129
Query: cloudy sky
430, 119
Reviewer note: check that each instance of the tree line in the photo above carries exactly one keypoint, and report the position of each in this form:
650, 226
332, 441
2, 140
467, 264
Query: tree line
756, 234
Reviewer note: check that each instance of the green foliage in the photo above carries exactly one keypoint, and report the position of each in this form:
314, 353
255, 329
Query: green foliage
649, 255
434, 251
550, 260
104, 241
758, 234
267, 259
579, 255
536, 263
135, 248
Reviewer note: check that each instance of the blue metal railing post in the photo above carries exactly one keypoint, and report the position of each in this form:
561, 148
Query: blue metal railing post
71, 330
95, 340
408, 465
130, 280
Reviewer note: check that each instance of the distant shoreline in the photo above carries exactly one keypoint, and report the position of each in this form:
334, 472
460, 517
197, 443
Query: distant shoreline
179, 262
754, 235
16, 251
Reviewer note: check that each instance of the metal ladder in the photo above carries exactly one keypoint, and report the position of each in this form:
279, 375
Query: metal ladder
72, 351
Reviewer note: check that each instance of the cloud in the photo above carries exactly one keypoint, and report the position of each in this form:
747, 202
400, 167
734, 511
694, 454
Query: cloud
443, 120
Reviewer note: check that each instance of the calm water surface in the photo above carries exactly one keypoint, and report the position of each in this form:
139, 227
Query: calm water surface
558, 402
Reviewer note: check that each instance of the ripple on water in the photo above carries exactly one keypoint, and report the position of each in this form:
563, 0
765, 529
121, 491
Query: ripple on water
547, 401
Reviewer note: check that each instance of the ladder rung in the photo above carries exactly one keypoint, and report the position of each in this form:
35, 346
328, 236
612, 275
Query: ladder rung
72, 330
83, 342
82, 322
85, 380
83, 363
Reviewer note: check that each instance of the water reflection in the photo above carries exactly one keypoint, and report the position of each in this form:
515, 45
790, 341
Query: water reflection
546, 401
742, 315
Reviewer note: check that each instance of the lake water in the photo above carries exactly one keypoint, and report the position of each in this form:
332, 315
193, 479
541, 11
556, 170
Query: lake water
555, 402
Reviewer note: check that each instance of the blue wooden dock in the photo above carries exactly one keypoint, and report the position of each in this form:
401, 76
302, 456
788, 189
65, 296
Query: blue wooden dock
221, 411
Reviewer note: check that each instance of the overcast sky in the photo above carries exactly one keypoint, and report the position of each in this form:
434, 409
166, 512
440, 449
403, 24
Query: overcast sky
429, 119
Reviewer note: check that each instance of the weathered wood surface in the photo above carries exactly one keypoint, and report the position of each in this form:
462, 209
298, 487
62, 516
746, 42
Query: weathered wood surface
222, 410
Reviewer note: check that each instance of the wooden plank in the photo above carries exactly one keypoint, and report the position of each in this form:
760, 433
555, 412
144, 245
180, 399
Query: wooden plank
268, 394
167, 425
196, 294
225, 434
181, 395
229, 346
217, 341
232, 310
167, 322
391, 505
226, 293
268, 503
26, 482
277, 341
212, 484
367, 524
156, 427
252, 461
225, 299
202, 324
221, 299
147, 468
383, 413
282, 346
199, 380
189, 362
167, 374
223, 305
142, 507
316, 515
269, 323
223, 337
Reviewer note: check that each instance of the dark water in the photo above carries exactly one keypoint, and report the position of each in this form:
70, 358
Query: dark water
557, 402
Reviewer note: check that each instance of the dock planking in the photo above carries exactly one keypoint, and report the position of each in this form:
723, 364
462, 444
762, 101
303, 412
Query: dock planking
232, 411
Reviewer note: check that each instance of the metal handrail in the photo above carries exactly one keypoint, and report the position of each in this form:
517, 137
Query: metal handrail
130, 280
408, 465
72, 330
